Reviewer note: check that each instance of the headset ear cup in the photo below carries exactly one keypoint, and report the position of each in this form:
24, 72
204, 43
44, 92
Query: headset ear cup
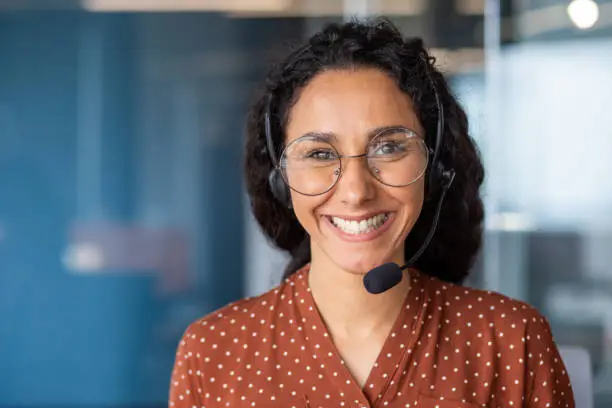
447, 177
437, 178
279, 188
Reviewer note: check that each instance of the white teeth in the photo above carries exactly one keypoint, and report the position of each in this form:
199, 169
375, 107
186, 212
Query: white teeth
360, 227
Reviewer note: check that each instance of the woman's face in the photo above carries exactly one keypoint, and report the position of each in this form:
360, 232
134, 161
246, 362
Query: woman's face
347, 106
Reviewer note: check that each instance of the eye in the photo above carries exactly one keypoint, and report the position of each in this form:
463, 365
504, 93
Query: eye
387, 148
395, 145
321, 155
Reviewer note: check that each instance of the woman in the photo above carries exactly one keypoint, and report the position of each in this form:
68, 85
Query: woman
349, 155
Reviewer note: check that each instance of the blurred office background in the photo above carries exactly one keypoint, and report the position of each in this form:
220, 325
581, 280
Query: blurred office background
123, 216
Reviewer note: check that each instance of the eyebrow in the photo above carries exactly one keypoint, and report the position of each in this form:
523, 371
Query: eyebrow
331, 136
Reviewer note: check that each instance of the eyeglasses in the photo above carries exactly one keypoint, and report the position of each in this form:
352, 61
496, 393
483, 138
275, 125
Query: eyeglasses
397, 157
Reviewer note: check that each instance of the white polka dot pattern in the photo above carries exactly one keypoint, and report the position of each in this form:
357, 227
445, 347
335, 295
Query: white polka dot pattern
451, 347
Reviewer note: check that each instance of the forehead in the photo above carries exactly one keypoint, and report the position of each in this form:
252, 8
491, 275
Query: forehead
350, 103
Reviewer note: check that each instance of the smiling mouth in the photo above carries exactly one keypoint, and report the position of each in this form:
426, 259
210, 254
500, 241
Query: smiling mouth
358, 227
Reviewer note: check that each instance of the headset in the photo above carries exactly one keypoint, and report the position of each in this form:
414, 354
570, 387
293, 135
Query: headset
440, 177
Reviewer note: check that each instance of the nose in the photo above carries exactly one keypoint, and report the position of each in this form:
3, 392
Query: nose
356, 184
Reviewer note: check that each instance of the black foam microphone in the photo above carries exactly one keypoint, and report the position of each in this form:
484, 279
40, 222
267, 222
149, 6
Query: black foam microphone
385, 276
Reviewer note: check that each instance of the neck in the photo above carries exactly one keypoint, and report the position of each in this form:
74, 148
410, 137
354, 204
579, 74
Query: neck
348, 309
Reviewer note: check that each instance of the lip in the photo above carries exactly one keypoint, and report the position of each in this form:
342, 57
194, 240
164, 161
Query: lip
361, 237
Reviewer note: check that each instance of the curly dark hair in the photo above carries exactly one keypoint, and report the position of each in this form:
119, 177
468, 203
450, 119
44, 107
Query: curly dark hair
373, 44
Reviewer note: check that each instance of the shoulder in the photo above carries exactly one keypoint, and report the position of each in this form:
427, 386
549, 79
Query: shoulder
488, 310
234, 318
493, 325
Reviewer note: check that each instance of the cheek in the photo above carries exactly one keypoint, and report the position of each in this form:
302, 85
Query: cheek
305, 207
412, 199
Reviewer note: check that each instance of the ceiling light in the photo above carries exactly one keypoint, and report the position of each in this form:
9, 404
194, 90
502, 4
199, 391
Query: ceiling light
583, 13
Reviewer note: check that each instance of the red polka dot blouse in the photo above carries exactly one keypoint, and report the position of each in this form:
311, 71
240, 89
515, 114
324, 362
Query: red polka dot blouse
450, 347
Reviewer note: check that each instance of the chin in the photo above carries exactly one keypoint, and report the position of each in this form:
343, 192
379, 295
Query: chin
359, 267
